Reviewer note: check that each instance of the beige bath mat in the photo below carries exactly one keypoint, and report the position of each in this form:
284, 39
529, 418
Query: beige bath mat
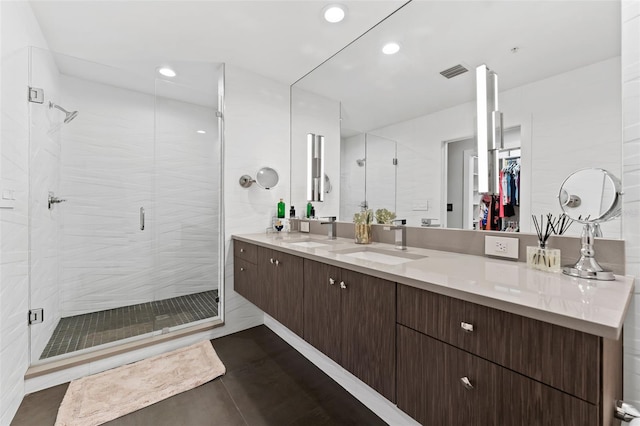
94, 400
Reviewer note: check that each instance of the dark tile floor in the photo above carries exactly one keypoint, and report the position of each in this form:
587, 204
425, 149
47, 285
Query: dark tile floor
97, 328
267, 383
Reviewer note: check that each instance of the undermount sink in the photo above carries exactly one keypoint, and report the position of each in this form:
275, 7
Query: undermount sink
373, 254
311, 243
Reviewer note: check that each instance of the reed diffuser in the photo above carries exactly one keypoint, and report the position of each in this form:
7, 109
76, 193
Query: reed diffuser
543, 257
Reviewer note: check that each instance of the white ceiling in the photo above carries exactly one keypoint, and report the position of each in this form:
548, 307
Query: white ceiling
282, 40
377, 90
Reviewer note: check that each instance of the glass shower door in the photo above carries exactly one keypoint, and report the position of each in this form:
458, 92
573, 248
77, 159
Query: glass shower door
134, 248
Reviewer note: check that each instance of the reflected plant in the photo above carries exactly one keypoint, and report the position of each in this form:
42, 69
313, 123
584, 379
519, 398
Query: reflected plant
384, 216
365, 217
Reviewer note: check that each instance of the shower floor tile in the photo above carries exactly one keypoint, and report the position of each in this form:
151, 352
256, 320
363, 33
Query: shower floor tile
97, 328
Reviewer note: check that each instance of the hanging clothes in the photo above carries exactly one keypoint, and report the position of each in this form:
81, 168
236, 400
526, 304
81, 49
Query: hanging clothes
509, 187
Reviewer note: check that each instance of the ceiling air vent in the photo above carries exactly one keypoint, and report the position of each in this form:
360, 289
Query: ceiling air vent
454, 71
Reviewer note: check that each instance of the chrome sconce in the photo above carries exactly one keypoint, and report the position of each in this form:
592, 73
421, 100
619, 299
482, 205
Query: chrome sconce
489, 130
315, 167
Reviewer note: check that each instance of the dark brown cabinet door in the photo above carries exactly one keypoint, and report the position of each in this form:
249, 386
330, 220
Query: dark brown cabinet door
322, 312
244, 279
368, 330
288, 283
266, 276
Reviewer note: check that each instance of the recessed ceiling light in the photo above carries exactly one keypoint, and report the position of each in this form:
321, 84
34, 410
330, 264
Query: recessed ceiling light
390, 48
202, 132
334, 13
167, 72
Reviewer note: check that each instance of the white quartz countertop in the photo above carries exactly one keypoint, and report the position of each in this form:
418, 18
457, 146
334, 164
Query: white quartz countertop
595, 307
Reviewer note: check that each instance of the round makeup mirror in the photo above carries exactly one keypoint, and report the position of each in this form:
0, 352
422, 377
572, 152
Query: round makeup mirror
267, 177
590, 196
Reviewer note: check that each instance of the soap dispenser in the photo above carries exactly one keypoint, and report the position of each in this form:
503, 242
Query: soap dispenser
281, 209
309, 208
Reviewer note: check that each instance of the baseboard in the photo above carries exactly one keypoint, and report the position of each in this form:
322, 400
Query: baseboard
381, 406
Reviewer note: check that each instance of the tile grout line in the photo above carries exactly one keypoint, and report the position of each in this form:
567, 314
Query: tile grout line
234, 401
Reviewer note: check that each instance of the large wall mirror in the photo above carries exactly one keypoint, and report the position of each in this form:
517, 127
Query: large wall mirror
399, 134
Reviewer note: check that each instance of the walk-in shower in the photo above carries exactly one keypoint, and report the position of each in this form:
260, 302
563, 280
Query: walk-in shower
69, 115
99, 277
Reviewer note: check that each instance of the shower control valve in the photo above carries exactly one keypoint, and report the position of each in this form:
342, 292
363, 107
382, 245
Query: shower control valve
53, 200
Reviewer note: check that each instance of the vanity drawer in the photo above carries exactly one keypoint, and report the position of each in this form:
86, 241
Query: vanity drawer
246, 251
565, 359
439, 384
244, 280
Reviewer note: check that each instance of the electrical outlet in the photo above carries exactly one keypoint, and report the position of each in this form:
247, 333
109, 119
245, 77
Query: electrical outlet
501, 247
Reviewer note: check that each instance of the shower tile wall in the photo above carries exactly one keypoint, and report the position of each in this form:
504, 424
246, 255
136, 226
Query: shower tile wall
108, 174
107, 158
186, 209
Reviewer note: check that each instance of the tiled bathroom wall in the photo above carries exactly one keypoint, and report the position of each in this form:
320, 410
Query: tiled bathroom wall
631, 181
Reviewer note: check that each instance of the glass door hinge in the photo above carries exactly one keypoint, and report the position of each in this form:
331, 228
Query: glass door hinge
36, 316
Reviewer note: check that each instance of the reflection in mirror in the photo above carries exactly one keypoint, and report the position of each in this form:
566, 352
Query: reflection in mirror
590, 196
564, 98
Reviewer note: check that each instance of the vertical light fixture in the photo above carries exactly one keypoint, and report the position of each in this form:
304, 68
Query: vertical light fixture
489, 130
315, 167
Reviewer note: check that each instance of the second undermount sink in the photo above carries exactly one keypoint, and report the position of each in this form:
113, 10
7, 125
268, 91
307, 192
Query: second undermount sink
374, 254
311, 242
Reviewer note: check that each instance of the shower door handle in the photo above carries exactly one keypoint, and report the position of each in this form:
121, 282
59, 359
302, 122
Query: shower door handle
142, 218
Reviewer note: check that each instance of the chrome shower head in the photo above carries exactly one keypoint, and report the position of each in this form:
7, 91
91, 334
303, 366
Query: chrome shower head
69, 115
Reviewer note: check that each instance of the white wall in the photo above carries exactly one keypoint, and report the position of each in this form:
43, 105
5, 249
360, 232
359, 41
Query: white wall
256, 135
631, 184
18, 29
569, 121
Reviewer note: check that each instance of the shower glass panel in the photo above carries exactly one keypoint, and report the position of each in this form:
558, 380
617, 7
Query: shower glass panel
134, 248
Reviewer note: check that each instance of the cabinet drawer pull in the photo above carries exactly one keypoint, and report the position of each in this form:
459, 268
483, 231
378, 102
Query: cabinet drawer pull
332, 281
277, 262
466, 327
271, 260
241, 250
466, 383
241, 269
343, 285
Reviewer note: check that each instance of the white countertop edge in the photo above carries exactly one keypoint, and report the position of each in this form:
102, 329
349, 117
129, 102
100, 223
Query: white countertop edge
611, 330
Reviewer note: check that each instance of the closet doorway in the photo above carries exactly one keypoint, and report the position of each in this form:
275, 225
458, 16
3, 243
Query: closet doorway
464, 207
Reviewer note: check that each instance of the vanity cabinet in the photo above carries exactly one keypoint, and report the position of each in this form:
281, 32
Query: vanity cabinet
271, 280
350, 317
281, 287
532, 372
245, 270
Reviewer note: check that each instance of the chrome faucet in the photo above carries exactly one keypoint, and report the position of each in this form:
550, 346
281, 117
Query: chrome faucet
401, 233
332, 227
